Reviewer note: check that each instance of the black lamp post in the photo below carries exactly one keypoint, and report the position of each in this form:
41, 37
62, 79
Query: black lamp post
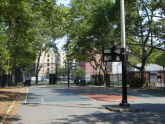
124, 60
67, 66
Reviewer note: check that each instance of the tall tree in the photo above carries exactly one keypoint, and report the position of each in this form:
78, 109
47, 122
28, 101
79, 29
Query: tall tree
143, 34
87, 32
160, 60
16, 18
48, 29
29, 27
96, 23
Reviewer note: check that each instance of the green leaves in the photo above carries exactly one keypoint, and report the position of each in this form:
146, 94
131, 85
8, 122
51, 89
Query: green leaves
93, 23
28, 27
160, 59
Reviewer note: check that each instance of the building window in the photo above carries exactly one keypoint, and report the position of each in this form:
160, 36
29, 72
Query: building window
47, 64
48, 69
47, 60
48, 55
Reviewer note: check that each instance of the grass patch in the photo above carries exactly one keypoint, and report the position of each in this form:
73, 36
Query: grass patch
116, 82
40, 82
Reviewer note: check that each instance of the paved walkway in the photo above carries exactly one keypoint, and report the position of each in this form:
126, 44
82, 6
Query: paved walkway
53, 105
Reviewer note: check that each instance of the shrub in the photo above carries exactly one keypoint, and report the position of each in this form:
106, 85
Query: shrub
135, 82
90, 83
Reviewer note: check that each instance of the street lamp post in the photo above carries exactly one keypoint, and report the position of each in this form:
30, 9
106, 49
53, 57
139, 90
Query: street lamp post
118, 54
164, 76
68, 75
67, 66
124, 60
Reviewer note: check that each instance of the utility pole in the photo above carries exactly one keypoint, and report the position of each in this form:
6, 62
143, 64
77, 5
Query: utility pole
124, 59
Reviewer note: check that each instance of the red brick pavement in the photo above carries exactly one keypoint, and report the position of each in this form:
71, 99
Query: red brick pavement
107, 97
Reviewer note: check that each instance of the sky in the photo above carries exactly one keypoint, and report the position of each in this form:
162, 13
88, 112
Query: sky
60, 42
65, 2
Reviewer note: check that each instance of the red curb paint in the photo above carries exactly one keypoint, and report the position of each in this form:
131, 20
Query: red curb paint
107, 97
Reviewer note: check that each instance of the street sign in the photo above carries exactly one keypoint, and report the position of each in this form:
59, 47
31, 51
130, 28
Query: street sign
70, 66
113, 54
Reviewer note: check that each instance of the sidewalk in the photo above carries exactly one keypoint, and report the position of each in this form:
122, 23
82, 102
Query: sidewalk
9, 98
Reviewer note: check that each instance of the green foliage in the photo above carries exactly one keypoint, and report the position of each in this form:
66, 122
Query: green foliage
91, 25
90, 28
91, 83
62, 72
147, 82
160, 60
77, 73
144, 33
29, 71
28, 28
135, 82
4, 52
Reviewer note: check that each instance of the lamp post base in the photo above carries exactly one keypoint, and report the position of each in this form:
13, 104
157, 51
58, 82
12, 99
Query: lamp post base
124, 104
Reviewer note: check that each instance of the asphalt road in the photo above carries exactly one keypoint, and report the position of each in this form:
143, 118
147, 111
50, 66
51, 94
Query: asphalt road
54, 105
48, 94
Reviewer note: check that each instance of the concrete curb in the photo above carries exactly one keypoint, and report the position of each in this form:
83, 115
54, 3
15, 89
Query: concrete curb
117, 108
8, 110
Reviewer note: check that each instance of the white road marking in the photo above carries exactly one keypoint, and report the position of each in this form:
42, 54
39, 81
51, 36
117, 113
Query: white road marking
26, 95
42, 99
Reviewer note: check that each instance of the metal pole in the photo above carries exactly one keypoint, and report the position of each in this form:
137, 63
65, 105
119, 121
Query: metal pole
123, 42
163, 76
117, 74
124, 63
68, 72
81, 71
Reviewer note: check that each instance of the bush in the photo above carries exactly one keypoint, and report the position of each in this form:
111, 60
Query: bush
91, 83
135, 82
116, 82
147, 83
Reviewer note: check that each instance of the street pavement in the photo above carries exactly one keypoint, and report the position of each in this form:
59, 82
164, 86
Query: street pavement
58, 104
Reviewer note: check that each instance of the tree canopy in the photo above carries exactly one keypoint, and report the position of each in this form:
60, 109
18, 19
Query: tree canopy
30, 27
27, 28
96, 23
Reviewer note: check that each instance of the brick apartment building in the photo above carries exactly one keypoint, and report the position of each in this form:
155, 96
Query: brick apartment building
112, 68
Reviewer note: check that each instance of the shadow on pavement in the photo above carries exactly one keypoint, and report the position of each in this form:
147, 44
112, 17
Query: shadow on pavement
149, 116
149, 107
12, 119
146, 93
107, 90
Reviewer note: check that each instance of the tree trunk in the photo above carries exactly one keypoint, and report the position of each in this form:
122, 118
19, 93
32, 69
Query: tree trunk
36, 81
37, 68
142, 78
106, 77
7, 76
36, 74
142, 75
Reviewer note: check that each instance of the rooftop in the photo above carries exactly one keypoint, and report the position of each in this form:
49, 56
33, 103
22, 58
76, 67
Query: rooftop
149, 67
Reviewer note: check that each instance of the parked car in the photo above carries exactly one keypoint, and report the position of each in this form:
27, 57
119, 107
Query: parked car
33, 78
46, 79
39, 78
